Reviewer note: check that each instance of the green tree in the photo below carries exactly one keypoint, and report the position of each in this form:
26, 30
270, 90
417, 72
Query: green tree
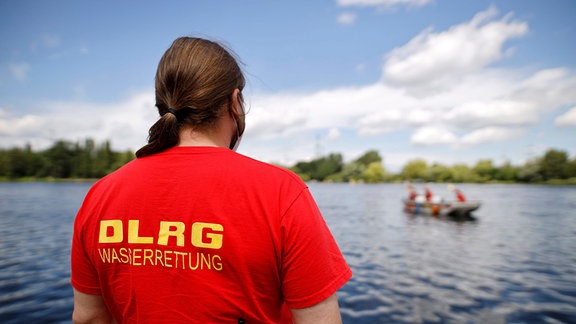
531, 171
374, 172
17, 163
84, 159
507, 172
304, 169
20, 162
462, 173
104, 157
485, 170
59, 160
415, 169
319, 169
327, 166
351, 172
571, 168
4, 160
438, 173
369, 157
63, 160
553, 164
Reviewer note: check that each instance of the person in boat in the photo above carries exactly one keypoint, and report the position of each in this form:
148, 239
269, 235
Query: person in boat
459, 195
193, 232
428, 194
412, 193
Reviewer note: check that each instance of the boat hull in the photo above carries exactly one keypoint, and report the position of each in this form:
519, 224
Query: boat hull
455, 208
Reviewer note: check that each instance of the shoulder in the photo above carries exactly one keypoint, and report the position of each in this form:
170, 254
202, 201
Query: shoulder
106, 183
268, 167
267, 173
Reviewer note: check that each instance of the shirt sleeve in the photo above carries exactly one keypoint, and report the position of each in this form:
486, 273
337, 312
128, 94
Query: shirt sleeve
84, 276
313, 268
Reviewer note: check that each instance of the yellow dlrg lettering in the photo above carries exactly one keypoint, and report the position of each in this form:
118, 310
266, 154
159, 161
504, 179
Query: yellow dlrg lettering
115, 227
199, 233
133, 235
202, 235
168, 229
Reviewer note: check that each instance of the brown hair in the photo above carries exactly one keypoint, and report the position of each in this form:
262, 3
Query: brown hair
195, 80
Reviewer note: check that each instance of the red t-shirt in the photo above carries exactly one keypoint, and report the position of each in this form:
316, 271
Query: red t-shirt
203, 234
428, 194
460, 196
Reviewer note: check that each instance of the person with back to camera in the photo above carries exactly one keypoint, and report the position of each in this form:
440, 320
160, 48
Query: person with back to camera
193, 232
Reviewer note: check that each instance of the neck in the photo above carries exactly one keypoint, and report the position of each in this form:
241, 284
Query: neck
191, 137
218, 136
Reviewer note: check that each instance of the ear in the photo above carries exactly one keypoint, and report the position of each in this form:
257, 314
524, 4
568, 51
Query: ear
236, 106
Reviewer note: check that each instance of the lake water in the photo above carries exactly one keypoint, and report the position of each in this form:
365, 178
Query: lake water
516, 263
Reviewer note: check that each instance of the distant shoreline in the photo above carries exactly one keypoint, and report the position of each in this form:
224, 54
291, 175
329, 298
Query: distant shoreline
47, 179
552, 182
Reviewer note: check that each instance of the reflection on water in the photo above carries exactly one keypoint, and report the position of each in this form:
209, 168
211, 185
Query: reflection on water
516, 263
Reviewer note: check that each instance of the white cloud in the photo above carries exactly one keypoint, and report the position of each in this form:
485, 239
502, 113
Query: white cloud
380, 122
490, 135
440, 135
346, 18
484, 105
284, 114
19, 71
549, 88
567, 119
431, 58
274, 116
422, 116
23, 126
382, 3
475, 114
125, 123
433, 135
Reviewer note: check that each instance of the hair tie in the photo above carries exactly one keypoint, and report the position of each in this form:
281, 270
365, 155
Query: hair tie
173, 111
176, 114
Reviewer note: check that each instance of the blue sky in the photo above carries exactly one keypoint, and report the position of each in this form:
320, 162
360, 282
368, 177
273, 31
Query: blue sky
450, 81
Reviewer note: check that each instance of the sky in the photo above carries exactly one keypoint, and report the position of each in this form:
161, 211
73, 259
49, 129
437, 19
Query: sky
447, 81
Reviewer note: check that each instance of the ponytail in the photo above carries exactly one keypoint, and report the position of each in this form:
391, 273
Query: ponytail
163, 135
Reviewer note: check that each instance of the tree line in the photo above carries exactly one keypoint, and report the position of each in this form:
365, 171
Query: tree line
63, 160
91, 160
554, 166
